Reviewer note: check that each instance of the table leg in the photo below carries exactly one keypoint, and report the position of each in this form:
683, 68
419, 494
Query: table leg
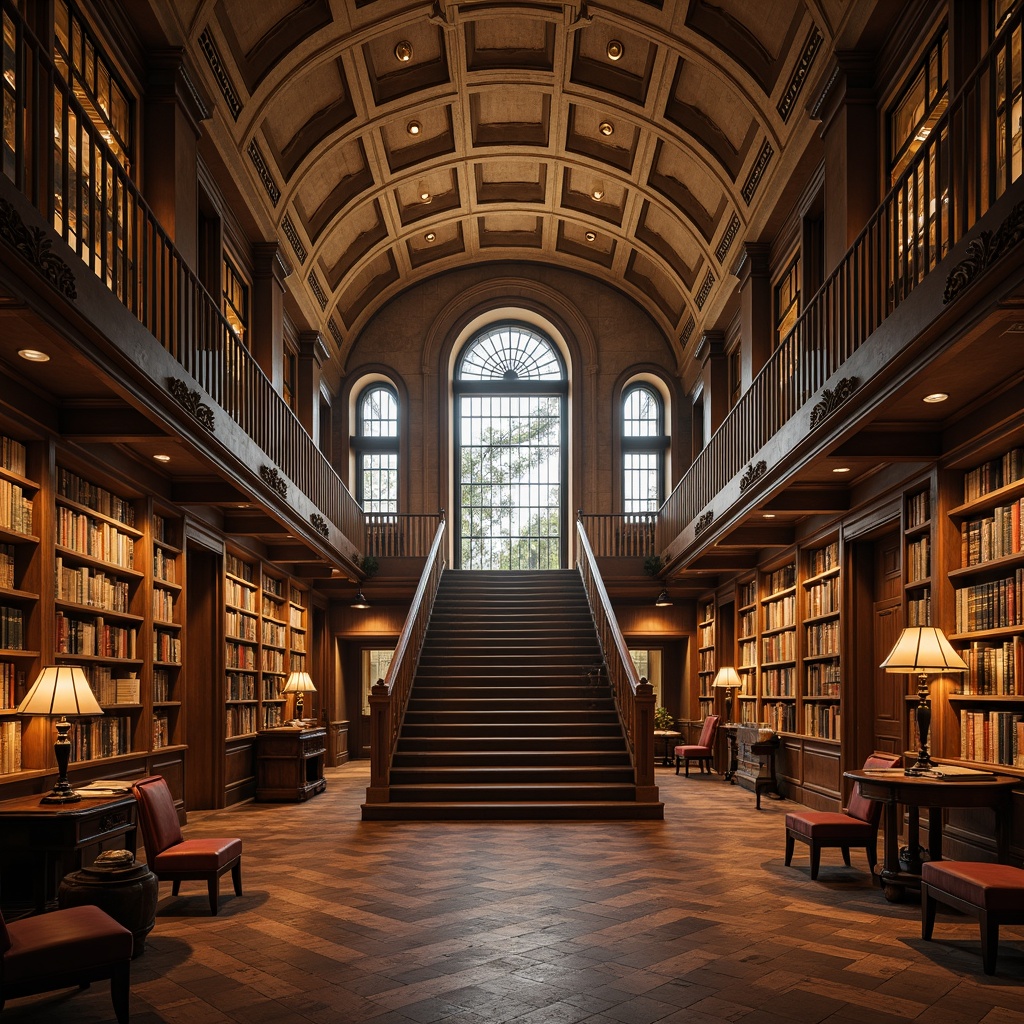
891, 855
734, 760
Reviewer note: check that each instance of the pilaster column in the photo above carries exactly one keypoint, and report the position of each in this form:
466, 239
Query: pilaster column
715, 374
754, 273
312, 356
267, 329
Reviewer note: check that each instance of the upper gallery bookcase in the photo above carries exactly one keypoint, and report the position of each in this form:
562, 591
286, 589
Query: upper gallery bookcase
706, 655
778, 647
822, 669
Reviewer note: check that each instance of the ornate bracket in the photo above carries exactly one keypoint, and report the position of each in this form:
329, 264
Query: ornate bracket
192, 402
831, 399
703, 522
983, 251
34, 245
274, 480
319, 524
753, 472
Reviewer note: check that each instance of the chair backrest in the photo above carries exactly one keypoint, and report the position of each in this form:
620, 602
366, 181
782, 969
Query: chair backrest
859, 806
158, 817
707, 733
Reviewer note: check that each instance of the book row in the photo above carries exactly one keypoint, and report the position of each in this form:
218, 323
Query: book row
991, 537
84, 492
994, 670
995, 473
993, 736
94, 637
13, 455
108, 736
80, 532
82, 585
15, 508
993, 605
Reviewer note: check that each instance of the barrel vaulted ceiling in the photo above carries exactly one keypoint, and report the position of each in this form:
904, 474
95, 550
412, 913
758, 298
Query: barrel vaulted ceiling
383, 142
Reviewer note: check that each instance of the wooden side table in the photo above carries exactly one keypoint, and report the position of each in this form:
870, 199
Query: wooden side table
290, 764
766, 781
668, 738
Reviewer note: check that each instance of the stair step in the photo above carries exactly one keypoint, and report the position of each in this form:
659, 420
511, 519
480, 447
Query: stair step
507, 758
527, 731
434, 744
507, 718
503, 691
505, 776
597, 810
487, 705
514, 792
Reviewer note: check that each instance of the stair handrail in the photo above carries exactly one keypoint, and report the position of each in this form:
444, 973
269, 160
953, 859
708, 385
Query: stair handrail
634, 695
390, 695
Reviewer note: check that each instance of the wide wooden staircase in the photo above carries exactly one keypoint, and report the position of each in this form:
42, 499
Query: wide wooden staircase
511, 715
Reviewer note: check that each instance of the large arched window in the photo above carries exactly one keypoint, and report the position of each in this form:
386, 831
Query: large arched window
375, 445
510, 450
644, 445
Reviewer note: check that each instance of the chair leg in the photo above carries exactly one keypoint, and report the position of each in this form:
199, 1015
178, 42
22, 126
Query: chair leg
677, 764
872, 855
815, 861
846, 856
989, 942
236, 877
687, 763
928, 907
175, 886
789, 849
120, 982
213, 889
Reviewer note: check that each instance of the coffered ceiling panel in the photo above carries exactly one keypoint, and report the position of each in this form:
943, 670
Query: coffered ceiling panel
382, 141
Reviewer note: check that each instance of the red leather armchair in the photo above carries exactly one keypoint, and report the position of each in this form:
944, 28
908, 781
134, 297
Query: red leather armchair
65, 949
703, 751
172, 857
856, 826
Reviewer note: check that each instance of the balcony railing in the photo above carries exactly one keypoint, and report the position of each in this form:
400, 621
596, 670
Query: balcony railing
966, 162
400, 535
620, 536
60, 161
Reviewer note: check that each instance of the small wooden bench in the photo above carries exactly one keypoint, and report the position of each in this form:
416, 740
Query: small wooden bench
991, 893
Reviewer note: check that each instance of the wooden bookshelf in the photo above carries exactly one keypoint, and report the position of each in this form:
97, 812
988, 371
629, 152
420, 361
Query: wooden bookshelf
821, 679
297, 642
988, 615
241, 645
706, 666
747, 650
778, 647
168, 614
273, 650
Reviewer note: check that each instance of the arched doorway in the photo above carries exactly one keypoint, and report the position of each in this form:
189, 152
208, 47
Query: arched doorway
511, 461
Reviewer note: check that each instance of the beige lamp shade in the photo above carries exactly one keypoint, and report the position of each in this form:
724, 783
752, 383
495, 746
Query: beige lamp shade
299, 682
60, 690
727, 677
923, 650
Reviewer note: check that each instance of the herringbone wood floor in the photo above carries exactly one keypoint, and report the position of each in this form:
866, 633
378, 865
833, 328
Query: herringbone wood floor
692, 919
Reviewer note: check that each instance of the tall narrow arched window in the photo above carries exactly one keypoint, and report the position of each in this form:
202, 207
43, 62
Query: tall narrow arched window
375, 445
644, 446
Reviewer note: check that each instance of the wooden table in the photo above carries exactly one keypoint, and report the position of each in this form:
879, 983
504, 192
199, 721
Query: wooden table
914, 792
290, 763
41, 843
668, 736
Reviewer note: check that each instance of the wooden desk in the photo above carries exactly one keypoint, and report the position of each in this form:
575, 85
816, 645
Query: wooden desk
44, 842
914, 793
290, 763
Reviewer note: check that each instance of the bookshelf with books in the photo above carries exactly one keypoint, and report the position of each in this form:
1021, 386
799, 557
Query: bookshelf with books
917, 556
241, 645
99, 608
297, 639
273, 650
778, 647
168, 597
747, 650
988, 615
19, 596
706, 666
821, 682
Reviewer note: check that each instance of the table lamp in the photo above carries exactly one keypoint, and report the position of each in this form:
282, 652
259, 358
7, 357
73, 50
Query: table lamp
61, 690
728, 679
924, 651
298, 683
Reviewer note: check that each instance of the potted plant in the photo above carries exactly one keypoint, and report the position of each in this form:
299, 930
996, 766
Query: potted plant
369, 565
663, 721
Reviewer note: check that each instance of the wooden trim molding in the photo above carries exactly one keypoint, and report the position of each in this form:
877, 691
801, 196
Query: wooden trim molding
831, 399
34, 245
983, 251
191, 401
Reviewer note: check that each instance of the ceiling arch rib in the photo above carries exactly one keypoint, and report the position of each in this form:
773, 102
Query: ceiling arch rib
511, 121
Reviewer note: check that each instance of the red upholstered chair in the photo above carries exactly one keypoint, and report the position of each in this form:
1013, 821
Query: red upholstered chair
65, 949
703, 751
992, 893
172, 857
856, 826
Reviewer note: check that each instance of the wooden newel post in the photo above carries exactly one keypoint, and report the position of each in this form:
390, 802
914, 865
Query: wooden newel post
380, 743
643, 742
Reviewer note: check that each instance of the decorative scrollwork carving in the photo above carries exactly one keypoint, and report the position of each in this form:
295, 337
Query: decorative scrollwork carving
831, 399
753, 472
983, 251
191, 401
319, 524
274, 480
703, 522
34, 245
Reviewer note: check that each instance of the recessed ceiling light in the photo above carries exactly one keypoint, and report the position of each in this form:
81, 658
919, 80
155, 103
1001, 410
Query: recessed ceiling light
767, 515
590, 236
425, 195
841, 469
162, 458
606, 128
615, 49
430, 236
938, 396
33, 355
414, 127
403, 51
598, 194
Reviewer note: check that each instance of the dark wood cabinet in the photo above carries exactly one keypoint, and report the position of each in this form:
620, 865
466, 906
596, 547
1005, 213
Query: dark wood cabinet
290, 764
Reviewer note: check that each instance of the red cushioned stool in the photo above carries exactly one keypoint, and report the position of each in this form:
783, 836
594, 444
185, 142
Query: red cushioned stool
992, 893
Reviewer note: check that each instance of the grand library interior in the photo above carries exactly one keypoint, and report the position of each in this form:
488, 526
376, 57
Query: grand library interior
499, 400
